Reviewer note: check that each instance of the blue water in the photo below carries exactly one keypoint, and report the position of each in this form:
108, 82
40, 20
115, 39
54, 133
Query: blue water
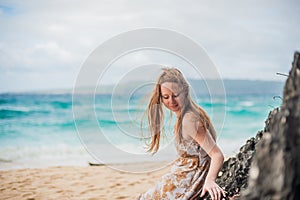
41, 129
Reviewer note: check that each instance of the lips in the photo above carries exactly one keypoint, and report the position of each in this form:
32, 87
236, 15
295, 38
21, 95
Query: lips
173, 106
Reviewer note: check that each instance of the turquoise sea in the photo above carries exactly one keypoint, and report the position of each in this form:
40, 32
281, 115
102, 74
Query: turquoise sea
40, 129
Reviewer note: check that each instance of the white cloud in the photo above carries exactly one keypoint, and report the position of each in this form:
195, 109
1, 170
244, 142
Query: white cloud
55, 37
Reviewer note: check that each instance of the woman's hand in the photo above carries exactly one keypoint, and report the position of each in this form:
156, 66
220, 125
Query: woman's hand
214, 190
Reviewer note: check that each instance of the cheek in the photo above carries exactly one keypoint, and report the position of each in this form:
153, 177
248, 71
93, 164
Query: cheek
165, 102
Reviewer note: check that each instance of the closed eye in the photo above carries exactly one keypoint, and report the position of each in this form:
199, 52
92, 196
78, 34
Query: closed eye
175, 95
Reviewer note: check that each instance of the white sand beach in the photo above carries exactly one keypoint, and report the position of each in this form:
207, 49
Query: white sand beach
70, 182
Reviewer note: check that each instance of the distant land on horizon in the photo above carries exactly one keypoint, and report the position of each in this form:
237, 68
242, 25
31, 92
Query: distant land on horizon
232, 86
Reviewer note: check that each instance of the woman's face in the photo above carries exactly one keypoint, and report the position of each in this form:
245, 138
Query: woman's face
172, 96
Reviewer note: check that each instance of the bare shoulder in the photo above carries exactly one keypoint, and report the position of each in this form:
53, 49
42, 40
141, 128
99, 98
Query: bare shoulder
190, 117
190, 123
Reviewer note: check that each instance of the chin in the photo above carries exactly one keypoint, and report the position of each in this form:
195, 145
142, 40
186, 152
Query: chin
174, 109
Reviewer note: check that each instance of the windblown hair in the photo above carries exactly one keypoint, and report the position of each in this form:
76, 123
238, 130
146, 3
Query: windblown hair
155, 110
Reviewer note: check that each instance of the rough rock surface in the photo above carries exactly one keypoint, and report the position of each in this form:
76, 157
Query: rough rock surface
274, 154
234, 174
275, 170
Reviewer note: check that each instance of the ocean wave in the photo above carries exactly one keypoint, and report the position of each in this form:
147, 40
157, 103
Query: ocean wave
246, 103
113, 122
243, 112
210, 104
17, 112
46, 155
4, 101
119, 109
6, 113
61, 104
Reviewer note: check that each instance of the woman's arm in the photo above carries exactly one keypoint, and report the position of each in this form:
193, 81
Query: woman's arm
195, 129
210, 185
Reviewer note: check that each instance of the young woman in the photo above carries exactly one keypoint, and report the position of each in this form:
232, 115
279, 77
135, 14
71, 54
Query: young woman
200, 159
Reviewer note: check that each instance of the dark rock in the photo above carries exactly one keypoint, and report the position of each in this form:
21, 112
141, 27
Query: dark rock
275, 170
234, 173
275, 151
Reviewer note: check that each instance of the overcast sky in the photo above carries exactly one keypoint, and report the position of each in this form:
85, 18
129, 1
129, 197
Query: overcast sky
43, 44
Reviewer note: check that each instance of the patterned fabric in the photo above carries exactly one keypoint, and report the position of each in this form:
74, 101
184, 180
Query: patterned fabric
187, 175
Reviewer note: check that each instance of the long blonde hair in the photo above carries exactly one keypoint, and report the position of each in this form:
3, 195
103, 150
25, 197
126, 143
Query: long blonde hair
155, 110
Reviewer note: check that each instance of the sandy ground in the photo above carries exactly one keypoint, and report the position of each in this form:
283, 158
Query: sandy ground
91, 182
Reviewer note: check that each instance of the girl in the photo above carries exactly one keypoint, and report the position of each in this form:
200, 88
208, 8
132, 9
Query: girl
200, 159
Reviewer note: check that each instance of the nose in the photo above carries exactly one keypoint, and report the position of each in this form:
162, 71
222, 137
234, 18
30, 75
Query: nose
172, 100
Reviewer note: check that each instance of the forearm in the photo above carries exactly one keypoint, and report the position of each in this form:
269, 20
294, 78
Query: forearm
210, 185
217, 159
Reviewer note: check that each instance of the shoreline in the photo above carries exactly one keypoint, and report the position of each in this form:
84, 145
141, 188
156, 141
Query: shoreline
89, 163
85, 159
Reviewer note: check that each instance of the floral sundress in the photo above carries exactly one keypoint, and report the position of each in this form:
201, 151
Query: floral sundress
187, 175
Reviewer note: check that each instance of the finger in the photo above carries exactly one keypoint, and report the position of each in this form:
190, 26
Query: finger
203, 192
218, 194
211, 194
224, 194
